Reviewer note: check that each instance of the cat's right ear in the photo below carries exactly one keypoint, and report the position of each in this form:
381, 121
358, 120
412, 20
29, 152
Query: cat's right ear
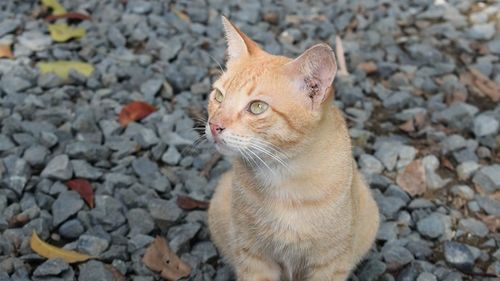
238, 44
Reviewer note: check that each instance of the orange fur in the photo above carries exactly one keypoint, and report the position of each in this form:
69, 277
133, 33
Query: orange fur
294, 206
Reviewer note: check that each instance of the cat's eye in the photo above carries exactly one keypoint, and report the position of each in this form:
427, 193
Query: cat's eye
258, 107
218, 96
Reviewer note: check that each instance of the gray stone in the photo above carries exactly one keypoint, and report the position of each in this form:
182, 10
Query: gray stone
488, 178
84, 170
8, 25
138, 241
396, 256
387, 231
473, 226
458, 255
172, 156
146, 138
58, 168
431, 226
94, 270
484, 31
5, 143
205, 250
139, 221
459, 115
389, 206
143, 167
490, 206
494, 46
34, 40
179, 235
164, 210
463, 191
370, 164
151, 87
139, 7
54, 266
88, 151
92, 245
36, 155
466, 169
67, 204
426, 276
372, 270
108, 212
13, 84
116, 37
485, 125
71, 229
18, 173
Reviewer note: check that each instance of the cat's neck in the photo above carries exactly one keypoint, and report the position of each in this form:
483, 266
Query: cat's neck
322, 167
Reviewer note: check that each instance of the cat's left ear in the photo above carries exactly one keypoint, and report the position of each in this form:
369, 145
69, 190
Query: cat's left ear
238, 43
313, 73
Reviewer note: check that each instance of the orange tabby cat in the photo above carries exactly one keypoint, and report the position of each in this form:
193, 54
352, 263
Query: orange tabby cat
294, 206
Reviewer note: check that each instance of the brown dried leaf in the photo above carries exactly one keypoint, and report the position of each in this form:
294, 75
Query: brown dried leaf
447, 164
134, 111
408, 126
492, 222
5, 51
339, 50
159, 257
84, 188
368, 67
188, 203
485, 85
412, 178
70, 15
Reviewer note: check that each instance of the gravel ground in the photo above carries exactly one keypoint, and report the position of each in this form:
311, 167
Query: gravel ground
417, 111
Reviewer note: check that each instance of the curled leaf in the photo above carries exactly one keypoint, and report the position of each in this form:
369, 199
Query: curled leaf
159, 257
70, 15
49, 251
134, 111
188, 203
84, 188
62, 68
61, 32
5, 51
57, 8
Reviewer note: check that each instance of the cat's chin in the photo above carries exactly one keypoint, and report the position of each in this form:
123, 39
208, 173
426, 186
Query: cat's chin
225, 150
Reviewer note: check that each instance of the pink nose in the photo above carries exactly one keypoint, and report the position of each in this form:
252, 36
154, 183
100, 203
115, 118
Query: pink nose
216, 128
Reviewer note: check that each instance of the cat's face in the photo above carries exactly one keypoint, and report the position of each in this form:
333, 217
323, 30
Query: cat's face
265, 106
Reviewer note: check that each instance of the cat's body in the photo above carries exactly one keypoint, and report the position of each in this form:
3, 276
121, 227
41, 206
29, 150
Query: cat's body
304, 214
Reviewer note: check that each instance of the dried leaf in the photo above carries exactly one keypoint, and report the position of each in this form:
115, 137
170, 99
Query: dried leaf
412, 178
134, 111
62, 68
368, 67
61, 32
49, 251
188, 203
6, 52
340, 57
70, 15
492, 222
84, 188
57, 8
485, 85
408, 126
159, 257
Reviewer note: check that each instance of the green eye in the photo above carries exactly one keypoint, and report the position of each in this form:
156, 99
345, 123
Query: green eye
218, 96
258, 107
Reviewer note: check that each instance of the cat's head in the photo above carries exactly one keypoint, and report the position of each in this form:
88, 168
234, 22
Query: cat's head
265, 105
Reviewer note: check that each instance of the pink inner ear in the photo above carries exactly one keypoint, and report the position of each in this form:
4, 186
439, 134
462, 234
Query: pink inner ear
314, 71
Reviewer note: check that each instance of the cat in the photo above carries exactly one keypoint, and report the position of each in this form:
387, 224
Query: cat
294, 206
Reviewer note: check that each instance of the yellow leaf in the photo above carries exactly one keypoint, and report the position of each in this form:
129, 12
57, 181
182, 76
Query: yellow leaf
5, 51
62, 68
57, 8
61, 32
49, 251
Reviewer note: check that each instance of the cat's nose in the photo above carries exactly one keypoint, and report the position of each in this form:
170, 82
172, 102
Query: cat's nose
216, 128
